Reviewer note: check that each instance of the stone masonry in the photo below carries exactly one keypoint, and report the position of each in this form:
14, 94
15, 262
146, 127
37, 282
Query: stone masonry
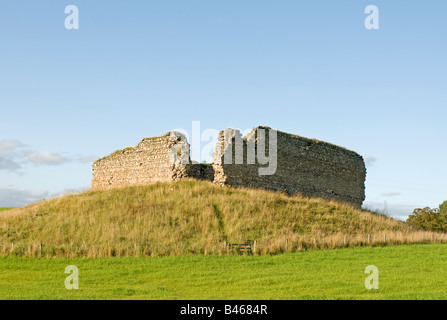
265, 158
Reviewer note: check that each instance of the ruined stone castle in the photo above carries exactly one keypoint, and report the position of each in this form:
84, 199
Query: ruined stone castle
264, 158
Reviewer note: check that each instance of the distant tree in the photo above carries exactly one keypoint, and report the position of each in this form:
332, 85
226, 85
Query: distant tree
443, 208
430, 219
425, 218
443, 215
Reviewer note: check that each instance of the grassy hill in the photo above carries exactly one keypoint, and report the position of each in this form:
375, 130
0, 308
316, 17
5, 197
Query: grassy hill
192, 217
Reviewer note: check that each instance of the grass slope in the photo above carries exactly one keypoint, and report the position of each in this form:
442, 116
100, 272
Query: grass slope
405, 272
192, 217
5, 209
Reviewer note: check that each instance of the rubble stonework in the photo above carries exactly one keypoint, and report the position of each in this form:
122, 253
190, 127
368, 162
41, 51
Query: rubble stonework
290, 163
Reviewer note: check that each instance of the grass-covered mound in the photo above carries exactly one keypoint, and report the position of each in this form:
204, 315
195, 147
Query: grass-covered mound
192, 217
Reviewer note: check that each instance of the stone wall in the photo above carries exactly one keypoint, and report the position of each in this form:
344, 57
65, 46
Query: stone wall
305, 166
152, 160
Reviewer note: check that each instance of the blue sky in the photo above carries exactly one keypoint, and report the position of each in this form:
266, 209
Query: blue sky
137, 69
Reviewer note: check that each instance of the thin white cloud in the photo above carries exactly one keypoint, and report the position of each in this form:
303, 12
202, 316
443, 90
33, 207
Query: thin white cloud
7, 164
369, 160
87, 159
46, 158
9, 148
68, 192
14, 155
395, 210
390, 194
10, 155
10, 197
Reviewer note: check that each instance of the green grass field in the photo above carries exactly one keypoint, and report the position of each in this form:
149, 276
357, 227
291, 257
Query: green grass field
5, 209
405, 272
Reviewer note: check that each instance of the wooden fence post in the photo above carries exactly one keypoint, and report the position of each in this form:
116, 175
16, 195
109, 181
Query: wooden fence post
254, 247
287, 244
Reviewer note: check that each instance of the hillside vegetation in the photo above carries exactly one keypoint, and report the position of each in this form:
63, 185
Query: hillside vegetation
193, 217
